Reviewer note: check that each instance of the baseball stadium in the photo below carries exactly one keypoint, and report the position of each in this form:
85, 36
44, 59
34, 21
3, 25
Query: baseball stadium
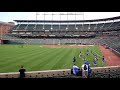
46, 48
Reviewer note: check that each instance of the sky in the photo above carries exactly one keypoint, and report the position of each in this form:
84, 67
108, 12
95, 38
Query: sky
10, 16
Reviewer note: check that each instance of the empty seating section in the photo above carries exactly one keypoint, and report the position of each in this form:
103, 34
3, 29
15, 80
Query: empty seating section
23, 41
92, 27
47, 27
15, 27
30, 27
47, 32
118, 27
22, 27
85, 27
63, 27
41, 33
55, 33
98, 28
106, 26
111, 41
79, 26
39, 27
68, 27
62, 33
76, 33
55, 27
69, 33
8, 37
114, 25
35, 33
71, 27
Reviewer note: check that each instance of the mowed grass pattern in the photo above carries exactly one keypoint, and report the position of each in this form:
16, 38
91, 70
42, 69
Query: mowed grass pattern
36, 58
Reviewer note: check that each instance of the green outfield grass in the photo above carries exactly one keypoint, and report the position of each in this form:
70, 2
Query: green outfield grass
36, 58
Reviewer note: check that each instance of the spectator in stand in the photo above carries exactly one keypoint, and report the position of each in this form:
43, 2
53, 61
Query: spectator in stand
22, 72
76, 70
89, 69
84, 70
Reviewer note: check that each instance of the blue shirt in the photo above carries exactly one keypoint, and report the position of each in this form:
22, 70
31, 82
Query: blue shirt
89, 69
75, 69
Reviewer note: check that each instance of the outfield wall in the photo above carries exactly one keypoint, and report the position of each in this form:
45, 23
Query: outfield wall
50, 41
54, 73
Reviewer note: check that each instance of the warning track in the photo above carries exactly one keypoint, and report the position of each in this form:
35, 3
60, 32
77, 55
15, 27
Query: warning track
66, 46
110, 58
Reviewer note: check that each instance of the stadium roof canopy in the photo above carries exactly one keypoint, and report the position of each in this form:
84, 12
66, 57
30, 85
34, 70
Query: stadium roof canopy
65, 21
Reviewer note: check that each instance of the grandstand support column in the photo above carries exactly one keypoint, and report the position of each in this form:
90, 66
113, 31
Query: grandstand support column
52, 21
67, 22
